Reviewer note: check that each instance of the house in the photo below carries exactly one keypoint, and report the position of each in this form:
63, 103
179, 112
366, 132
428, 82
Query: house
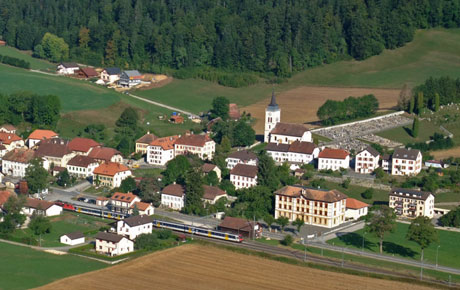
130, 78
110, 174
7, 128
81, 166
286, 133
386, 162
161, 150
201, 145
406, 162
173, 196
67, 68
367, 160
297, 152
110, 75
82, 146
243, 176
243, 157
15, 162
102, 201
208, 168
39, 135
144, 208
106, 154
233, 111
435, 164
123, 202
299, 172
72, 239
411, 203
355, 209
333, 159
238, 226
134, 226
323, 208
176, 119
87, 72
11, 141
143, 142
212, 194
55, 150
112, 244
41, 207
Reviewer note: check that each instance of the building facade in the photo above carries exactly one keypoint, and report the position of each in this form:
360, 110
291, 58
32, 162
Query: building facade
112, 244
201, 145
333, 159
243, 176
123, 202
411, 203
406, 162
243, 157
82, 166
173, 196
143, 142
367, 160
297, 152
110, 174
15, 162
161, 150
134, 226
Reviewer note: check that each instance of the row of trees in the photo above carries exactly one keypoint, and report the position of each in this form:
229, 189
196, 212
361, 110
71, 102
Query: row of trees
279, 37
438, 141
433, 93
9, 60
333, 112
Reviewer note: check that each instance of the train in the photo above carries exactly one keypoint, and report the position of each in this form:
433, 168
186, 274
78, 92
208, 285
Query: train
198, 231
93, 211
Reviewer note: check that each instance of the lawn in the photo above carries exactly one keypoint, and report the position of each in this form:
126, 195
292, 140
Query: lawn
402, 134
354, 191
35, 63
144, 172
396, 244
24, 268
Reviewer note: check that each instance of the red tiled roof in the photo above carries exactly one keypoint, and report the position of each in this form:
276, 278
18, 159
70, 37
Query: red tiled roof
7, 138
333, 153
110, 169
43, 134
166, 143
211, 192
125, 197
311, 194
355, 204
82, 144
103, 153
237, 224
141, 205
208, 167
89, 72
146, 139
20, 155
296, 130
174, 189
55, 147
244, 170
4, 196
193, 140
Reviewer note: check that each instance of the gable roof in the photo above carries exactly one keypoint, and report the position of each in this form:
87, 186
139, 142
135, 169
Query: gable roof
8, 127
244, 170
372, 151
417, 194
125, 197
109, 237
295, 130
244, 155
333, 153
4, 196
355, 204
8, 138
237, 224
133, 73
74, 235
82, 144
81, 161
43, 134
311, 193
141, 205
208, 167
146, 139
211, 192
403, 153
38, 204
174, 189
103, 153
113, 70
166, 143
138, 220
302, 147
193, 140
277, 147
69, 64
19, 155
89, 72
110, 168
55, 147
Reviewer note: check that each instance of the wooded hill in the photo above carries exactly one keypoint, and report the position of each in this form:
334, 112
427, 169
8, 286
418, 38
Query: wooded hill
270, 36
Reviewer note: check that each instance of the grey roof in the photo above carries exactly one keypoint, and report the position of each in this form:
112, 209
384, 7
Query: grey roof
132, 73
245, 170
404, 153
69, 64
273, 105
138, 220
423, 195
108, 237
277, 147
243, 155
371, 150
113, 70
75, 235
386, 157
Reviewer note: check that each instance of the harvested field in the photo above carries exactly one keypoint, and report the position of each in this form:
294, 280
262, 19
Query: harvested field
200, 267
299, 105
443, 154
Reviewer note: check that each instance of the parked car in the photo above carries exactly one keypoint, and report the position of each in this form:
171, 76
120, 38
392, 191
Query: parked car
82, 199
93, 201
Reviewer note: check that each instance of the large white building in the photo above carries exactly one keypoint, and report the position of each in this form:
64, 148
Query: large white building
82, 166
406, 162
173, 196
333, 159
243, 157
15, 162
161, 150
41, 207
113, 244
367, 160
243, 176
110, 174
411, 203
201, 145
297, 152
110, 75
134, 226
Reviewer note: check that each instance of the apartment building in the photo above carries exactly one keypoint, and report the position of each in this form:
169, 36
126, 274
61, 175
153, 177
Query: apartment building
333, 159
406, 162
201, 145
411, 203
367, 160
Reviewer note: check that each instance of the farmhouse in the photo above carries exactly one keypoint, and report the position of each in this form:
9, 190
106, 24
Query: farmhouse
110, 75
143, 142
39, 135
7, 128
201, 145
67, 68
123, 202
212, 194
406, 162
173, 196
238, 226
297, 152
355, 209
333, 159
130, 78
134, 226
82, 166
161, 150
15, 162
367, 160
243, 157
82, 146
324, 208
113, 244
55, 150
87, 73
11, 141
42, 207
72, 239
411, 203
106, 154
208, 168
244, 176
110, 174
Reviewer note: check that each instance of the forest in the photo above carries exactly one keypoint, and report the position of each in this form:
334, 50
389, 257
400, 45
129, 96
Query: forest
270, 37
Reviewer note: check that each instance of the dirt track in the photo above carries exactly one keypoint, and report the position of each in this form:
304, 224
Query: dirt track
300, 105
200, 267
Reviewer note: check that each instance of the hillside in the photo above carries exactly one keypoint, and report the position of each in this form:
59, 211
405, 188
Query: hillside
35, 63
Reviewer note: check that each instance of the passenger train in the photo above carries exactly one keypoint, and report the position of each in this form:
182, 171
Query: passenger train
94, 211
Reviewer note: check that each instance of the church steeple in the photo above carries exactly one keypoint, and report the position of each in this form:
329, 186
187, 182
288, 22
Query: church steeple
272, 117
273, 101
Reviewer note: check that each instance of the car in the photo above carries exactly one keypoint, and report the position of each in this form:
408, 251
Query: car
82, 199
93, 201
136, 166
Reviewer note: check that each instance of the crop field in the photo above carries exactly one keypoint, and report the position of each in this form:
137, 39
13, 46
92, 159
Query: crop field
35, 63
200, 267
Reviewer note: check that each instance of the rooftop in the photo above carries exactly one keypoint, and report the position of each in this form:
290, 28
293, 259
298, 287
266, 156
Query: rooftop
174, 189
125, 197
287, 129
103, 153
43, 134
333, 153
311, 193
147, 138
211, 192
372, 151
108, 237
113, 70
355, 204
82, 144
55, 147
69, 64
403, 153
110, 169
8, 138
166, 143
302, 147
81, 161
237, 224
244, 170
208, 167
137, 220
75, 235
38, 204
244, 155
89, 72
20, 155
411, 193
193, 140
4, 196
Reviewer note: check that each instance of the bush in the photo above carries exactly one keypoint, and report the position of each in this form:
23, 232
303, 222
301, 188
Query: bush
235, 80
287, 241
146, 242
14, 61
379, 173
346, 183
164, 234
368, 193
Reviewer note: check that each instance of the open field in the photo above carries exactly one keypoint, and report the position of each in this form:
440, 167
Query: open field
403, 134
396, 244
35, 63
24, 268
197, 267
443, 154
354, 191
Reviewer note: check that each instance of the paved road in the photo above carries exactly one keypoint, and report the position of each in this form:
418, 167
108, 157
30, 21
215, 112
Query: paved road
163, 105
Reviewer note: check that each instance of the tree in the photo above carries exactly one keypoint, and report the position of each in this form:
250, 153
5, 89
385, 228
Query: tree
63, 178
212, 179
135, 210
124, 146
346, 183
128, 185
83, 37
128, 119
13, 217
368, 193
36, 176
269, 220
146, 242
176, 170
282, 222
379, 173
220, 108
194, 191
411, 104
298, 223
380, 220
422, 231
53, 48
267, 172
243, 134
287, 241
436, 102
39, 225
149, 190
404, 97
415, 126
420, 104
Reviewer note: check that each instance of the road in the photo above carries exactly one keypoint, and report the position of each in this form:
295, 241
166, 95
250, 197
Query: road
163, 105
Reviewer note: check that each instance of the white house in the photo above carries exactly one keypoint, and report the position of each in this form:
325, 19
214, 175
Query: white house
42, 207
411, 203
110, 174
298, 152
144, 208
110, 75
15, 162
39, 135
55, 150
333, 159
134, 226
113, 244
161, 150
436, 164
106, 154
11, 141
82, 166
406, 162
243, 176
173, 196
367, 160
72, 239
130, 78
355, 209
67, 68
201, 145
123, 202
243, 157
286, 133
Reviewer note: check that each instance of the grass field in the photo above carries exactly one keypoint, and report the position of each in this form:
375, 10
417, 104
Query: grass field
403, 134
35, 63
24, 268
396, 244
196, 267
